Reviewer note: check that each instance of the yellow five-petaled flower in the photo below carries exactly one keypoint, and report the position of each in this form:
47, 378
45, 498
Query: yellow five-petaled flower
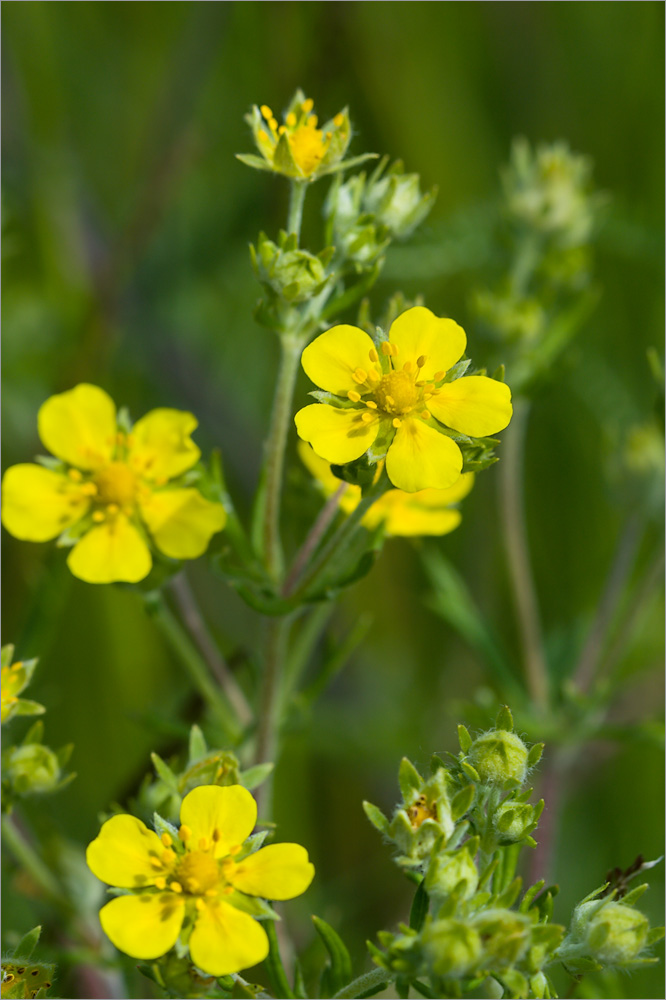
390, 396
112, 489
195, 884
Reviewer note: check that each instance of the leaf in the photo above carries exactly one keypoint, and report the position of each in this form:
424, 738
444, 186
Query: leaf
409, 779
462, 801
534, 755
255, 776
250, 160
165, 773
504, 719
420, 907
163, 826
197, 744
464, 739
340, 967
26, 945
376, 817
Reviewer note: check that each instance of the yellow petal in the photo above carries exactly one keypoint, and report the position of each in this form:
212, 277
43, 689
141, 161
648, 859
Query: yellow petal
223, 815
279, 871
226, 940
145, 925
330, 484
39, 503
331, 359
474, 405
79, 426
112, 552
420, 458
122, 852
419, 333
161, 446
336, 434
410, 520
182, 521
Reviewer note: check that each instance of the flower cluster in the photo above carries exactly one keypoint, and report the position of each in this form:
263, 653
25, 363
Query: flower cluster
402, 398
114, 490
202, 884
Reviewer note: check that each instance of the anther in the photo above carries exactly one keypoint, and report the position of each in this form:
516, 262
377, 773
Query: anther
120, 438
282, 129
199, 903
290, 120
98, 516
263, 135
210, 892
389, 400
425, 414
168, 856
166, 840
407, 367
367, 418
354, 395
371, 404
236, 849
184, 833
112, 508
203, 843
156, 863
386, 348
360, 375
266, 111
394, 350
273, 124
421, 360
339, 120
312, 121
374, 357
193, 885
176, 887
373, 376
396, 422
75, 475
216, 835
227, 891
160, 883
307, 105
89, 489
438, 375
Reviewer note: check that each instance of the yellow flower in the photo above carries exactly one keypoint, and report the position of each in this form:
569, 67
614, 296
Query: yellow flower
387, 399
110, 488
298, 148
203, 875
427, 512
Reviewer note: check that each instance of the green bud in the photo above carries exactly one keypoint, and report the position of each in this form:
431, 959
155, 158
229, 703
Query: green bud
451, 948
505, 935
290, 273
513, 821
32, 769
396, 200
613, 933
499, 756
450, 872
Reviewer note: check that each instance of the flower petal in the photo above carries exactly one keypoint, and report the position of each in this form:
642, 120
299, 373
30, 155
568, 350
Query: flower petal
223, 815
79, 426
419, 333
420, 457
145, 925
123, 851
336, 434
409, 520
226, 940
279, 871
330, 360
161, 446
182, 521
39, 503
113, 552
474, 405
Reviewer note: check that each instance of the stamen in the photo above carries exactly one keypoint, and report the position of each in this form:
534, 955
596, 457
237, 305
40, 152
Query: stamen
290, 120
184, 833
193, 885
420, 383
227, 891
396, 422
374, 357
210, 892
203, 843
282, 129
438, 375
166, 840
360, 375
98, 516
407, 367
263, 135
312, 121
156, 863
339, 120
354, 395
236, 849
266, 111
120, 438
367, 418
371, 403
200, 905
425, 414
307, 105
160, 883
112, 508
389, 400
386, 348
168, 856
89, 489
421, 360
374, 376
176, 887
75, 475
394, 350
273, 124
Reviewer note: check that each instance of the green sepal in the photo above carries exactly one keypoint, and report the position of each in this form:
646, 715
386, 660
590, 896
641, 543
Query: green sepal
7, 655
504, 719
359, 473
655, 934
283, 159
329, 398
163, 826
510, 894
514, 981
378, 956
28, 942
250, 160
35, 734
635, 894
64, 753
197, 746
456, 371
534, 755
420, 907
353, 161
165, 773
376, 817
255, 776
252, 844
530, 894
462, 801
49, 462
339, 972
464, 738
26, 707
253, 905
409, 779
470, 771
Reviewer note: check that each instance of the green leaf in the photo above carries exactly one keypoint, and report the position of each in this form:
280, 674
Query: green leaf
470, 771
197, 745
376, 817
420, 907
504, 719
340, 967
26, 945
409, 779
253, 905
255, 776
274, 967
464, 739
534, 755
250, 160
165, 773
462, 801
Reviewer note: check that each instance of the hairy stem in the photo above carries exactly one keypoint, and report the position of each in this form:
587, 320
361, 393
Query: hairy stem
296, 199
317, 532
515, 534
267, 746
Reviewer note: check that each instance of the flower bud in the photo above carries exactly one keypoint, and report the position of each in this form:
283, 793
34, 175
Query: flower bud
293, 274
613, 933
448, 872
32, 768
396, 200
504, 934
513, 821
499, 756
451, 948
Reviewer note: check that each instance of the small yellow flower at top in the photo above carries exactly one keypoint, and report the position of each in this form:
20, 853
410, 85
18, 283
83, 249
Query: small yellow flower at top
299, 147
199, 879
397, 399
426, 512
114, 491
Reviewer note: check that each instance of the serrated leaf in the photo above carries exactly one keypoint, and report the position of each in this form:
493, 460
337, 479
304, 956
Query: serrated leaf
340, 967
376, 817
409, 779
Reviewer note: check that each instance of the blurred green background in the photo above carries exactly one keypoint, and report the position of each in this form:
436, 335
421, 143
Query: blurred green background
126, 223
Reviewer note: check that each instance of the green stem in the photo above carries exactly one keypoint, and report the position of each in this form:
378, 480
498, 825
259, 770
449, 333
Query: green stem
267, 747
26, 856
188, 654
315, 535
276, 442
515, 534
365, 985
296, 199
274, 966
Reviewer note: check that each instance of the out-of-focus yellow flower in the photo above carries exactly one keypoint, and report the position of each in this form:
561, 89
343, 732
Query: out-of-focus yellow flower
204, 875
298, 147
112, 488
15, 678
427, 512
387, 399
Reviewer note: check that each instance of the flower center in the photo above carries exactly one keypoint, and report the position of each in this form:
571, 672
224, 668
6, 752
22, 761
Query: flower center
197, 873
116, 484
397, 392
307, 147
